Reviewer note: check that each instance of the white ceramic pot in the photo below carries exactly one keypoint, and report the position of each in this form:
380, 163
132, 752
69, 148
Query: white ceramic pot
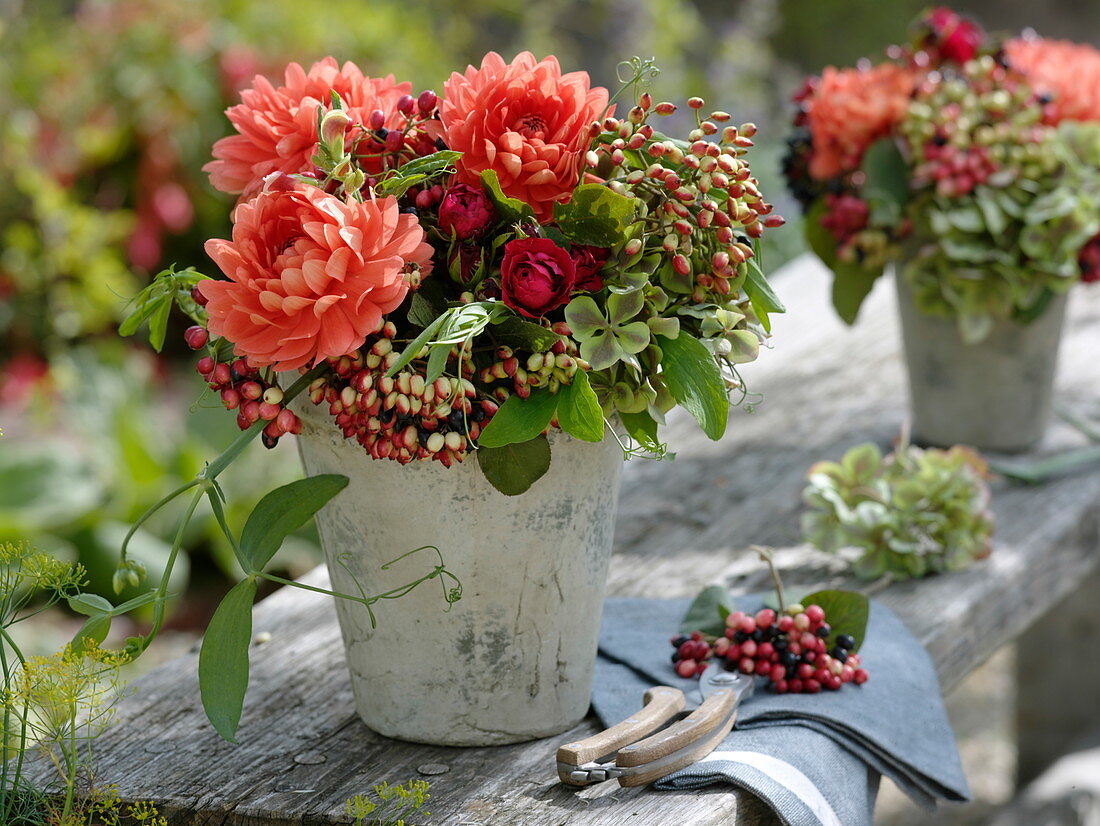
994, 395
512, 660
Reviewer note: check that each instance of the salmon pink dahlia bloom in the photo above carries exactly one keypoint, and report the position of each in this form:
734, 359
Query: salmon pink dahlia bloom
1068, 72
849, 110
277, 125
310, 276
524, 120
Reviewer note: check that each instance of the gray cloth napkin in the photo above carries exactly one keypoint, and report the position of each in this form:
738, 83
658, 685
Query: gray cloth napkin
815, 759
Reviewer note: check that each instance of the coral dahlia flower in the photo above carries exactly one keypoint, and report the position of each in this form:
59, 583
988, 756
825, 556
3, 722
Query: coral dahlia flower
526, 121
310, 276
277, 125
849, 110
1068, 72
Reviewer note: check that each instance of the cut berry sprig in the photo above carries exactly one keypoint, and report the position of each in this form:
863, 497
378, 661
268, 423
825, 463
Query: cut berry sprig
794, 649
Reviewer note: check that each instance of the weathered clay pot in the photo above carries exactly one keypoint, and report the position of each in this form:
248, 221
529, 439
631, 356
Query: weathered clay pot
512, 660
994, 395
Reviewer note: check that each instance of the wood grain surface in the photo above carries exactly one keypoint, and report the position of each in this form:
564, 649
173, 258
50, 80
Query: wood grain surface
682, 525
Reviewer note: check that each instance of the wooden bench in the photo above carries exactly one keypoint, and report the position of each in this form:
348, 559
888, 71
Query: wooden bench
683, 524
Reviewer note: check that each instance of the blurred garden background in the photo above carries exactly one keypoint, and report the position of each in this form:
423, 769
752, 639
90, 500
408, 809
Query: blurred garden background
110, 108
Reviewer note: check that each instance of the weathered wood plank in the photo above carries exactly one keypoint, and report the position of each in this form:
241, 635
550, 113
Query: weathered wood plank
682, 525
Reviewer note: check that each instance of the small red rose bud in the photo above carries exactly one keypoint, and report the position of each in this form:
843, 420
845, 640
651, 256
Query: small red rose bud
197, 296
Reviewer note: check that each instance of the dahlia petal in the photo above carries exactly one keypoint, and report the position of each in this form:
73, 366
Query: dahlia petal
314, 273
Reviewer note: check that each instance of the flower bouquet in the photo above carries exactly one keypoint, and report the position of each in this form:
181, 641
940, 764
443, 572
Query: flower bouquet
972, 163
438, 293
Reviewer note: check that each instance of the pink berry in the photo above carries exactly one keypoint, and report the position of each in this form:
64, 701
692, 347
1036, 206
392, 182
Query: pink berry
697, 635
205, 366
748, 648
268, 411
733, 653
734, 619
802, 622
781, 686
805, 671
785, 623
833, 683
231, 398
795, 686
746, 666
700, 668
686, 651
748, 625
196, 337
847, 674
252, 390
808, 641
702, 650
686, 669
778, 672
220, 376
427, 101
816, 614
861, 676
721, 646
763, 668
812, 686
765, 617
765, 651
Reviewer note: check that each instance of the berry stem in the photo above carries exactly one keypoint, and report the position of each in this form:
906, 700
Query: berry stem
766, 555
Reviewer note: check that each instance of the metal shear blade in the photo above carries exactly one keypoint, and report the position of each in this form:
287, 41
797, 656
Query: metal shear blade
642, 750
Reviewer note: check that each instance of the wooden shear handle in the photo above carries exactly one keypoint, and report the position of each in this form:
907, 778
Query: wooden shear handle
682, 743
662, 703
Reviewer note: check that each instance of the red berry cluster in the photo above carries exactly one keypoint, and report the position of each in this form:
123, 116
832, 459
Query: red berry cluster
701, 196
243, 389
845, 215
791, 650
402, 417
550, 369
953, 171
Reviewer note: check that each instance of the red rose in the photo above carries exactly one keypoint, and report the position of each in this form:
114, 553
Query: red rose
956, 37
588, 261
465, 212
536, 276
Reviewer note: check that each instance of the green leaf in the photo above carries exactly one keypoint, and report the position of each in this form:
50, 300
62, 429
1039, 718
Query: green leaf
695, 381
887, 175
760, 292
595, 215
512, 469
90, 605
421, 312
851, 282
223, 659
219, 516
642, 428
437, 363
846, 612
509, 209
850, 286
158, 324
579, 412
94, 630
416, 345
621, 307
708, 612
284, 510
519, 420
526, 335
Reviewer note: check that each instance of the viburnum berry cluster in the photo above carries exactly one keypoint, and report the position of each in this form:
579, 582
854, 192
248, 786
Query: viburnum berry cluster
970, 159
795, 651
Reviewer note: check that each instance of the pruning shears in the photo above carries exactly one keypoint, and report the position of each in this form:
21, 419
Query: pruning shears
661, 738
